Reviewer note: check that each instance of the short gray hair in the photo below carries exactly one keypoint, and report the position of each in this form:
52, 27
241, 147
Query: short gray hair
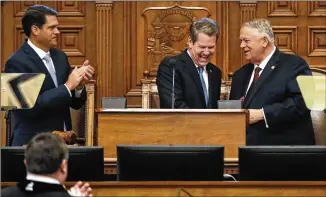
45, 153
262, 26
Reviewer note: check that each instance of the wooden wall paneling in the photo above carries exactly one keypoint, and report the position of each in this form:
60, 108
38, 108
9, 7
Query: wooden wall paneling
316, 8
247, 12
282, 8
20, 7
103, 50
306, 38
72, 40
316, 34
285, 37
316, 41
71, 8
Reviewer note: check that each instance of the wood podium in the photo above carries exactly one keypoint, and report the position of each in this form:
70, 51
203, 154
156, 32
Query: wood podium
167, 126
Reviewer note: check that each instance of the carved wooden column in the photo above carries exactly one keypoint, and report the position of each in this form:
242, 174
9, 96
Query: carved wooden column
248, 12
89, 113
104, 49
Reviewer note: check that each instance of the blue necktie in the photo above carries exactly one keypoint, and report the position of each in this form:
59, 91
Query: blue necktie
200, 71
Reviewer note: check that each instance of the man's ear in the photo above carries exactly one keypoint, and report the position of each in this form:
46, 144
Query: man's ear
25, 162
64, 166
190, 44
265, 41
35, 30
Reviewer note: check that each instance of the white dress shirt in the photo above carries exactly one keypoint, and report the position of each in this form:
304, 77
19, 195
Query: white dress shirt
46, 179
42, 179
262, 65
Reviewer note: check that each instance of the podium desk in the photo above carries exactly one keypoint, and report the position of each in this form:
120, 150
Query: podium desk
175, 189
167, 126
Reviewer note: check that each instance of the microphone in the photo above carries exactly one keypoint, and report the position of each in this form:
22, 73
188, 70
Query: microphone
172, 64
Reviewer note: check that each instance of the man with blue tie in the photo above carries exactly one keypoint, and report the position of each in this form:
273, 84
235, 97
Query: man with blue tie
63, 87
189, 79
268, 88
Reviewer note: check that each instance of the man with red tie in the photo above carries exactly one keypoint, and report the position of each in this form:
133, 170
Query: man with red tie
268, 88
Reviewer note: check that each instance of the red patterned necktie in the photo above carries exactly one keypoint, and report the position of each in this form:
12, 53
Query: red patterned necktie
254, 81
256, 75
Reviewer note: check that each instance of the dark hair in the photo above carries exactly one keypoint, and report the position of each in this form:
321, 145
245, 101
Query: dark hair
45, 153
35, 15
206, 26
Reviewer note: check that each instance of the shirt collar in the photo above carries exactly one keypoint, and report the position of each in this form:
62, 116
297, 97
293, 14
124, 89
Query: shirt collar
38, 51
43, 179
194, 62
263, 64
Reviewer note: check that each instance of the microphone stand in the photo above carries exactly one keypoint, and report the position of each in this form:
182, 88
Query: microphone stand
173, 95
7, 117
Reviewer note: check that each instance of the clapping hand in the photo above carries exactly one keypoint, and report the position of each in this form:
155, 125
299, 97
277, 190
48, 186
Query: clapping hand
81, 189
87, 72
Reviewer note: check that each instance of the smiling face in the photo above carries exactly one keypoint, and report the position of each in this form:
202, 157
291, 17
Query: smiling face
46, 36
253, 45
203, 49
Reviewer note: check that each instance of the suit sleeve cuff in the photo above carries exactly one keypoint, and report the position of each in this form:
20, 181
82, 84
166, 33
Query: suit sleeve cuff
265, 118
68, 90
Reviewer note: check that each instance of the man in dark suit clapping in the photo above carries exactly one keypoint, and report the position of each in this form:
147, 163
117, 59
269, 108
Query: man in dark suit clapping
268, 88
62, 88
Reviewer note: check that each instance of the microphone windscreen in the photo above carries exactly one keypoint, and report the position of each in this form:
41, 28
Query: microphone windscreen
172, 62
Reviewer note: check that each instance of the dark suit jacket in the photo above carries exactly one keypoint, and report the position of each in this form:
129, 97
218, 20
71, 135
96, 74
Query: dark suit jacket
39, 190
187, 87
52, 105
278, 93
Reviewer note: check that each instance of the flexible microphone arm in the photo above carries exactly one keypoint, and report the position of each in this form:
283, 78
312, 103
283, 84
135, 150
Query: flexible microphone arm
172, 63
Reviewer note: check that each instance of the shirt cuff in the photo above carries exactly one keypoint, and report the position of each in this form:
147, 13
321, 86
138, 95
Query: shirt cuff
68, 90
265, 118
78, 92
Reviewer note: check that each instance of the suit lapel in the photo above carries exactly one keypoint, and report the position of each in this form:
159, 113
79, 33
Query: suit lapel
264, 75
32, 55
210, 84
189, 64
246, 80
